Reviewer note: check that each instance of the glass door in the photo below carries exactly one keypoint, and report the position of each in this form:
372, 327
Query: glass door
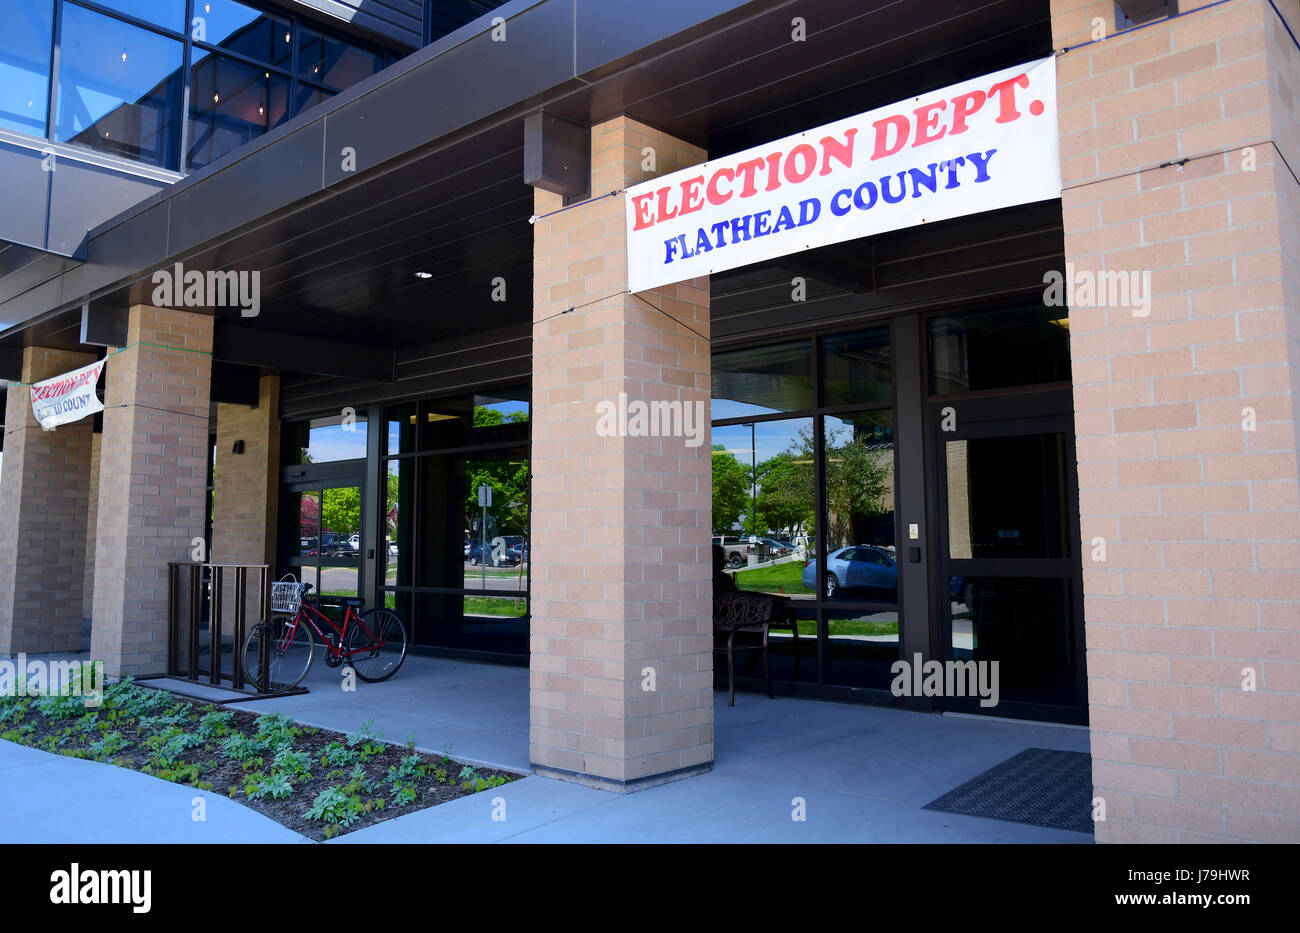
1008, 581
324, 543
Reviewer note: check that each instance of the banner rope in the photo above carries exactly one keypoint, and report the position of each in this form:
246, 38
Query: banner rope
129, 346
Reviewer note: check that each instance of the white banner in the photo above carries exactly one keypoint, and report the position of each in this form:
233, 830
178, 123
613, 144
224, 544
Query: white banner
67, 398
977, 146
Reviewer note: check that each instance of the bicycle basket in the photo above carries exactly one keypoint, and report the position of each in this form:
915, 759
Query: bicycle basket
286, 595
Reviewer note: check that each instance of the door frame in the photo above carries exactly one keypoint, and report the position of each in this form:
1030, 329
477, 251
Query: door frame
1010, 413
320, 476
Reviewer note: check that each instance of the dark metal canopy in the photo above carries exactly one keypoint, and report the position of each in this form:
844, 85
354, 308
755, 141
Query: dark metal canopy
438, 189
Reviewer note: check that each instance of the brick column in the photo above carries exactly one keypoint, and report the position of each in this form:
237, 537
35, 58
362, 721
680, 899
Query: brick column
153, 478
88, 578
621, 589
246, 486
43, 492
1186, 418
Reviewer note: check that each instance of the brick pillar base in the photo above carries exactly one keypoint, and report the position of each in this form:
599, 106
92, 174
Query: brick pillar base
43, 502
153, 479
88, 578
621, 631
246, 486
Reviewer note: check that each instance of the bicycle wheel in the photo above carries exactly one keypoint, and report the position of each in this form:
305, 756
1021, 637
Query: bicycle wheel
379, 643
290, 650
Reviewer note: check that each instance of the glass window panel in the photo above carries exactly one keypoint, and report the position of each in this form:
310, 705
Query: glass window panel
1026, 625
399, 521
792, 653
1007, 496
401, 421
340, 544
119, 88
764, 504
999, 349
764, 380
858, 369
860, 479
231, 104
167, 13
255, 33
497, 536
476, 623
333, 62
861, 646
325, 440
309, 97
483, 418
303, 510
26, 30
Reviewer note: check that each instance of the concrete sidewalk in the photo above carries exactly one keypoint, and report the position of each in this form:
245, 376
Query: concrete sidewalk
53, 798
863, 774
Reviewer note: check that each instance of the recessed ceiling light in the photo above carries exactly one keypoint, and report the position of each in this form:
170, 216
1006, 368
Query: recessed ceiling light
424, 275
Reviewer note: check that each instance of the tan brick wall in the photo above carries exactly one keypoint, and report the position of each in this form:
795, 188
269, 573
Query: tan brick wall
88, 577
1201, 518
43, 501
620, 526
153, 481
246, 487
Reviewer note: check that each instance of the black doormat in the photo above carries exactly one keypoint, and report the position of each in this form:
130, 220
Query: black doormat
1040, 786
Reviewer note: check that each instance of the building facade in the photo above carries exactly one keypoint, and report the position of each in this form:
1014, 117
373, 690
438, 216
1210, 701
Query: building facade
1055, 434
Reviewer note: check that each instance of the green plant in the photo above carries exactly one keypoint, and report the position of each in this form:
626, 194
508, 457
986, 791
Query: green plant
337, 755
215, 725
276, 786
277, 729
179, 773
16, 710
408, 768
111, 744
176, 745
404, 795
296, 764
333, 805
365, 733
467, 773
240, 747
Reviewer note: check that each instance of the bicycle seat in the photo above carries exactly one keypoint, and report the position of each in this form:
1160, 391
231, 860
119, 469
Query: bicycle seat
356, 602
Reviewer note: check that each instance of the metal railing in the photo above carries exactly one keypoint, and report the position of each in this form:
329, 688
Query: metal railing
196, 594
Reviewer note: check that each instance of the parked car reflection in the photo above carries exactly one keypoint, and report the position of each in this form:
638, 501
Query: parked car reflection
857, 567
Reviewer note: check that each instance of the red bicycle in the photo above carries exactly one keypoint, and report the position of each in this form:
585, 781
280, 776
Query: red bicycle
278, 653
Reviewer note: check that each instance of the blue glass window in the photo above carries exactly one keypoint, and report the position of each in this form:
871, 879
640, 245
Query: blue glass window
231, 103
169, 14
26, 30
119, 87
243, 29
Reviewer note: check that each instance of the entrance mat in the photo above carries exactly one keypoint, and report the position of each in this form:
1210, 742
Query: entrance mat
1039, 786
